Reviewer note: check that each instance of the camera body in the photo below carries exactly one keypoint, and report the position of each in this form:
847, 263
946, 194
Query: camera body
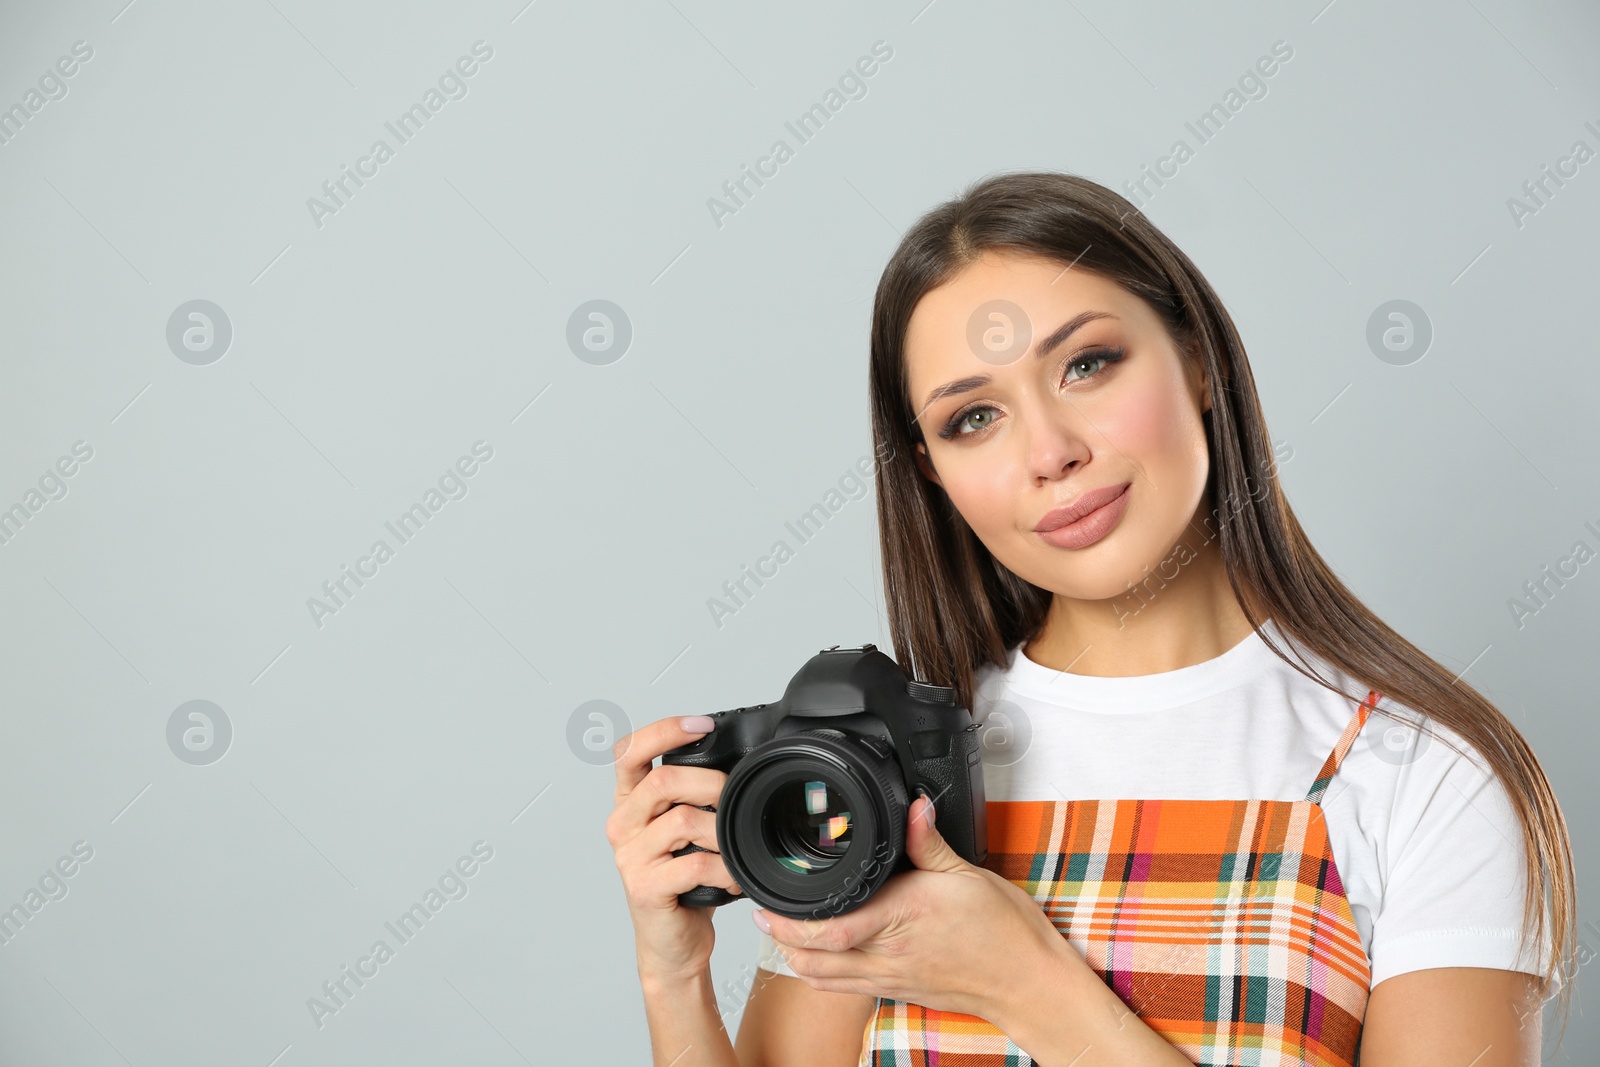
811, 821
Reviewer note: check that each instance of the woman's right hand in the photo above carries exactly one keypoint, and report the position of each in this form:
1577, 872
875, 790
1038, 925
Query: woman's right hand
654, 816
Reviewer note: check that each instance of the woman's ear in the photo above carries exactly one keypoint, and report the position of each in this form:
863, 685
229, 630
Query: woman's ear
925, 465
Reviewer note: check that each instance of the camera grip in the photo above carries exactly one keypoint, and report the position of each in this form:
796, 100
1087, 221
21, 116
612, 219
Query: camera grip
703, 896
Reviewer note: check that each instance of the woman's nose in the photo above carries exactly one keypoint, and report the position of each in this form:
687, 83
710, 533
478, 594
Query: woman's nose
1056, 445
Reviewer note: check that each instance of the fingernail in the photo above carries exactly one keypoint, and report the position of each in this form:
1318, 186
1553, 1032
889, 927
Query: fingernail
927, 812
761, 921
696, 724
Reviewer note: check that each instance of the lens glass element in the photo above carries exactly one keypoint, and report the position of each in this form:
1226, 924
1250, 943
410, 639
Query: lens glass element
806, 825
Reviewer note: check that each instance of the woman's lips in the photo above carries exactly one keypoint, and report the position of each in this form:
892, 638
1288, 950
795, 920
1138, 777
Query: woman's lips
1091, 527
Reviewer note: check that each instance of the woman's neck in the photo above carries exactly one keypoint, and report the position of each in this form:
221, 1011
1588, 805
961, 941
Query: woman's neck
1183, 613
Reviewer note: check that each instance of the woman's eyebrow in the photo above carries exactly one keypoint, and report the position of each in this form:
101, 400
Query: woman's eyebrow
1042, 349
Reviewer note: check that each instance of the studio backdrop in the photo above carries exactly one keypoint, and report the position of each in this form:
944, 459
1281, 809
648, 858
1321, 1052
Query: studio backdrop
403, 401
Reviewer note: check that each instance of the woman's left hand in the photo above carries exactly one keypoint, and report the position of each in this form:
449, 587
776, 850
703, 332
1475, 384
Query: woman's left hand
948, 935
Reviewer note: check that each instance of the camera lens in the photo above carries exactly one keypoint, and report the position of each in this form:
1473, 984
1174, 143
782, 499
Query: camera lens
812, 823
808, 824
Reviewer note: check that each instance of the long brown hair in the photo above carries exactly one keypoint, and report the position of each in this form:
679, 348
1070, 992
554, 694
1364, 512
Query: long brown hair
953, 608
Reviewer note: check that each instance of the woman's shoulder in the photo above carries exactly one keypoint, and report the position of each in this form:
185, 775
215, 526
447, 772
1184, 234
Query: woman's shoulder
1392, 740
1430, 837
1423, 775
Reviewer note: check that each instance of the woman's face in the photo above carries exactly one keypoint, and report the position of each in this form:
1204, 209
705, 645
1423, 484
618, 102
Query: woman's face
1111, 404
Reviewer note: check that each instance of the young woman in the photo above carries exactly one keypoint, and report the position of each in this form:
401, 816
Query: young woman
1202, 847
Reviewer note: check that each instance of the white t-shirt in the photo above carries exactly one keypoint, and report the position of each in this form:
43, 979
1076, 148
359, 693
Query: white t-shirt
1426, 842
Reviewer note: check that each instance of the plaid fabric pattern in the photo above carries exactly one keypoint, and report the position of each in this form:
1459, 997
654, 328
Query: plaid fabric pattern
1222, 924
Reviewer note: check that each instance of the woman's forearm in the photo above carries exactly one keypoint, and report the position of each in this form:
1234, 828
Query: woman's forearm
685, 1028
1067, 1015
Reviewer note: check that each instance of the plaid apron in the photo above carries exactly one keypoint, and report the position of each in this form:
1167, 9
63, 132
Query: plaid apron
1222, 924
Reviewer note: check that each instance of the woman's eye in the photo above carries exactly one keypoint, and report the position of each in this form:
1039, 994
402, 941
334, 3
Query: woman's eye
1087, 359
975, 420
1093, 364
954, 429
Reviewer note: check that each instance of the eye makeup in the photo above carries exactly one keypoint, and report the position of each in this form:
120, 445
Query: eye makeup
1106, 356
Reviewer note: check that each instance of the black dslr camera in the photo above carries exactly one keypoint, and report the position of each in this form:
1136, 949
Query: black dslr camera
811, 821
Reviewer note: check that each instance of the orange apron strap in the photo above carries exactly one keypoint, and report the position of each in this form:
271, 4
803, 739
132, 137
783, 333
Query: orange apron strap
1346, 739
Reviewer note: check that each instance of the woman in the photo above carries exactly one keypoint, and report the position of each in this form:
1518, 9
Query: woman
1201, 849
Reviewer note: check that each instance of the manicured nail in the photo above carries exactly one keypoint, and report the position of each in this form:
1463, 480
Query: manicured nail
696, 724
760, 918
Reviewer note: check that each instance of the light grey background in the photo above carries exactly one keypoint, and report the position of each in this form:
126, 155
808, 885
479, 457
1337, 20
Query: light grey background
430, 312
